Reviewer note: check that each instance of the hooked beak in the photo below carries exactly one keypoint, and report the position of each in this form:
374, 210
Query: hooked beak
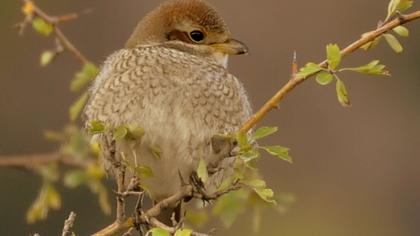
231, 47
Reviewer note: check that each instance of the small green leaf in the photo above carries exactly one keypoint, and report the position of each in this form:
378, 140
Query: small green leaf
53, 197
280, 152
143, 172
96, 127
229, 206
372, 44
46, 57
333, 56
342, 94
159, 232
256, 183
83, 77
75, 178
398, 6
373, 68
250, 155
42, 27
393, 43
120, 132
324, 78
243, 141
202, 171
77, 107
264, 132
266, 194
402, 31
135, 132
197, 218
308, 69
183, 232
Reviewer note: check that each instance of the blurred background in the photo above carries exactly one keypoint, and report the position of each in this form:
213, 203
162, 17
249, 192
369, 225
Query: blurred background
356, 170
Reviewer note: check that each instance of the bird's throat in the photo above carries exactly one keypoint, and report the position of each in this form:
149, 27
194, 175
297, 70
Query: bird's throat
222, 59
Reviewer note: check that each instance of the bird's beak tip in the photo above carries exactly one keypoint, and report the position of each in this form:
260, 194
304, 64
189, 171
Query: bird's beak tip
232, 47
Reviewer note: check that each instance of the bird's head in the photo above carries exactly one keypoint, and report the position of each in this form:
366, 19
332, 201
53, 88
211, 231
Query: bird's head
188, 25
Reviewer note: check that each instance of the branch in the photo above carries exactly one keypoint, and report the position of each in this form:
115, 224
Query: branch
295, 81
68, 225
32, 161
34, 10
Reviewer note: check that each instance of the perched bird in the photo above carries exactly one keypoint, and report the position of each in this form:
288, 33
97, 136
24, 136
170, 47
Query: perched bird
171, 80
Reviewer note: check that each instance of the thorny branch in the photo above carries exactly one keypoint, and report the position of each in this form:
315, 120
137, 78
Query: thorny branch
273, 103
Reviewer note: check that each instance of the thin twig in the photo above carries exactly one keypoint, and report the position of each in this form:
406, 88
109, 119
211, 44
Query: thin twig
54, 21
295, 81
68, 225
32, 161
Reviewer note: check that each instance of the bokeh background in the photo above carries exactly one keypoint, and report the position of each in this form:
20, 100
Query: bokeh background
356, 170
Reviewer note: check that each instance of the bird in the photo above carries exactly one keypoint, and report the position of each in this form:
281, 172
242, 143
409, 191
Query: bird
170, 79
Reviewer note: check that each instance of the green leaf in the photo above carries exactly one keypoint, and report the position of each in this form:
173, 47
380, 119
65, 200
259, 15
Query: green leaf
371, 44
83, 77
250, 155
183, 232
46, 57
39, 208
255, 183
280, 152
308, 69
333, 56
393, 43
402, 31
42, 27
229, 206
53, 197
143, 172
266, 194
159, 232
120, 133
373, 68
135, 132
398, 6
324, 78
197, 218
77, 107
264, 132
96, 127
202, 171
342, 94
75, 178
243, 141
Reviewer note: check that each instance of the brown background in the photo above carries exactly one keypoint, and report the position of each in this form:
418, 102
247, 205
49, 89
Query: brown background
356, 170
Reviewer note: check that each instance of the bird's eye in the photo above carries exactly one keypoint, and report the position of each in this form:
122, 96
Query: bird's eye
197, 36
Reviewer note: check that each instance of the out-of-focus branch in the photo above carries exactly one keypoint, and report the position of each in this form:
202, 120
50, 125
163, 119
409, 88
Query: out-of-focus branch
32, 161
295, 81
34, 10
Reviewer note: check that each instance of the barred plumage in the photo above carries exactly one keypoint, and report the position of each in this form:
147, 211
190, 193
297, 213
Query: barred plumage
181, 95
